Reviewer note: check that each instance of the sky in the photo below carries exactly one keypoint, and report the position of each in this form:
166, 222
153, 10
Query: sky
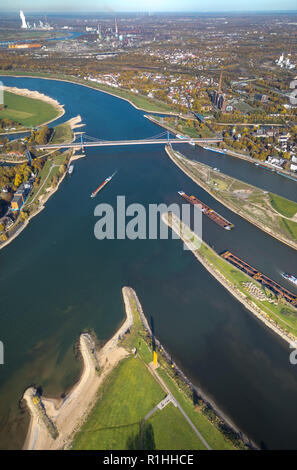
146, 5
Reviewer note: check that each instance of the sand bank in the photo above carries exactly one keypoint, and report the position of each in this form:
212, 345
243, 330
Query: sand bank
69, 414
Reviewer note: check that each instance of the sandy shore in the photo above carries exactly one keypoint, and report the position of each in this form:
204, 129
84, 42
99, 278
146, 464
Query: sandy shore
69, 414
284, 240
248, 304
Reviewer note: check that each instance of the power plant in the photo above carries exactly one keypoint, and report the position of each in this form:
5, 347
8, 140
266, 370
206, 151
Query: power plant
22, 16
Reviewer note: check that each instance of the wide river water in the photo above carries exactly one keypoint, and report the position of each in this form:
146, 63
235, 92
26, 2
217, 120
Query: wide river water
56, 278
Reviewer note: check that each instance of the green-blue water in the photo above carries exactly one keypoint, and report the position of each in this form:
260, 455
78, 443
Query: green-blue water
56, 278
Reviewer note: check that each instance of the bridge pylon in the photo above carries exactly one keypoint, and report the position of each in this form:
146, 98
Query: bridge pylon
81, 142
168, 136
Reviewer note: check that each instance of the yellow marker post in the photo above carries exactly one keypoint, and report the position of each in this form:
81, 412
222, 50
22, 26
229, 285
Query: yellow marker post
155, 359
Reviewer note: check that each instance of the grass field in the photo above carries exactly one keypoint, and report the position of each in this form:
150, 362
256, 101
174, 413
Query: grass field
290, 227
61, 133
140, 101
172, 432
169, 122
28, 112
9, 35
212, 435
49, 171
130, 393
283, 206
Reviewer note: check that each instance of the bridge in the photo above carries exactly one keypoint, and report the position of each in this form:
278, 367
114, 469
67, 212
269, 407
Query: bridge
163, 138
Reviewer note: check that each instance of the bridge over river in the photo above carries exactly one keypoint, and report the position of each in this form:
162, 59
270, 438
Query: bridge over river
163, 138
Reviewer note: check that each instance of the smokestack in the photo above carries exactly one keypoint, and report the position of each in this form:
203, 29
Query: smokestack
22, 16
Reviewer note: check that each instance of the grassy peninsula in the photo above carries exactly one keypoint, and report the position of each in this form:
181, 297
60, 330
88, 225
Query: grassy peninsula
26, 111
277, 314
126, 413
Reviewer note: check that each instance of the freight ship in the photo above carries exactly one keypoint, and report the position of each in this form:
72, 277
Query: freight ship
290, 277
266, 168
215, 150
107, 180
217, 218
276, 288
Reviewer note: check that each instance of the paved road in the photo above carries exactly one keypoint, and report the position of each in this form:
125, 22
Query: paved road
175, 402
160, 406
105, 143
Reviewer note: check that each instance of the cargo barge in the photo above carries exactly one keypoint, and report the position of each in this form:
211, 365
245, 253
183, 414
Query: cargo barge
208, 211
107, 180
265, 167
276, 288
215, 150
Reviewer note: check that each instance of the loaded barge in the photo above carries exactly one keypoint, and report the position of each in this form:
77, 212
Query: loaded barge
107, 180
215, 150
276, 288
208, 211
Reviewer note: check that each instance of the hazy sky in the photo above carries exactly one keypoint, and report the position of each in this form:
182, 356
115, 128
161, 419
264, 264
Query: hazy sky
147, 5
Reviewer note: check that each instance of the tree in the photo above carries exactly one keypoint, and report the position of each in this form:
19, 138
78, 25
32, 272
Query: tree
17, 180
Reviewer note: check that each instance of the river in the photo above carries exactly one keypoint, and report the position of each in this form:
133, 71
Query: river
56, 279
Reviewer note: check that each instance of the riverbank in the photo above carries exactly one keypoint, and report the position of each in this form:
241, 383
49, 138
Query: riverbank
98, 87
69, 414
227, 151
193, 134
260, 215
73, 123
26, 222
39, 113
204, 253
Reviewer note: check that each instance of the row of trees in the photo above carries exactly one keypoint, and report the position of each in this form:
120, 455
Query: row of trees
40, 136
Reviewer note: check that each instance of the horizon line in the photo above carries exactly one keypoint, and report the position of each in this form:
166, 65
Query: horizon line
149, 12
